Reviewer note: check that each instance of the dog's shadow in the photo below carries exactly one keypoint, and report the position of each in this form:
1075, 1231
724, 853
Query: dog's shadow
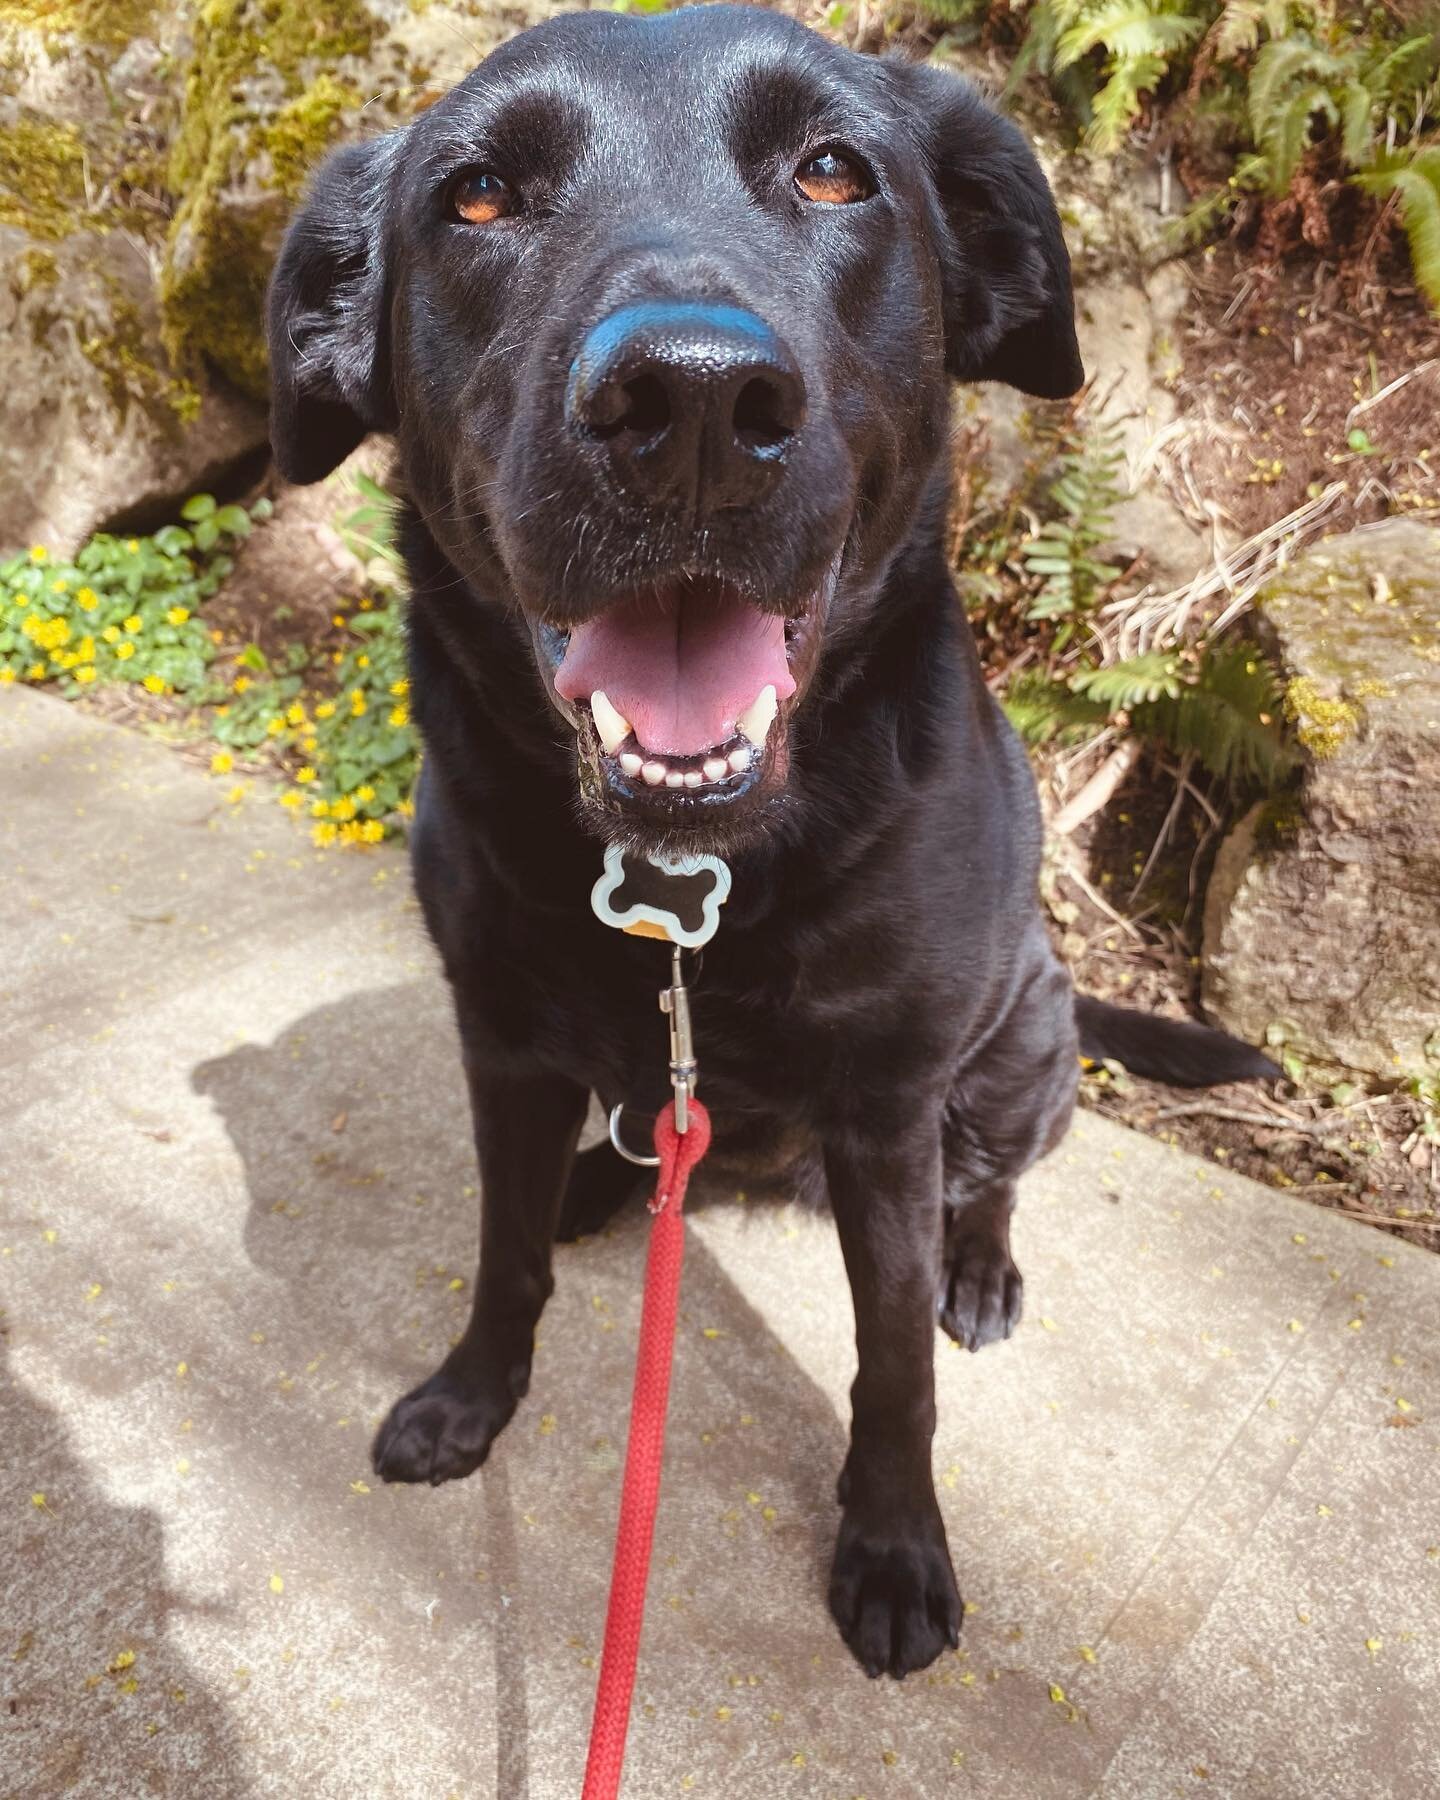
354, 1133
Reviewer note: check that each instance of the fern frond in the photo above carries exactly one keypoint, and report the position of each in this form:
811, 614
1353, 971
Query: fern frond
1288, 135
1227, 718
1125, 685
1279, 66
1118, 101
1042, 710
1418, 185
1128, 29
1356, 112
1237, 31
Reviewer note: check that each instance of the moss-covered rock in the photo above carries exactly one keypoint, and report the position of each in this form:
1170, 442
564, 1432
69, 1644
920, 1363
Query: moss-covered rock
1325, 936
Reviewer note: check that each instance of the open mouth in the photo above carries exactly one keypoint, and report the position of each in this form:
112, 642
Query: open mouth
681, 694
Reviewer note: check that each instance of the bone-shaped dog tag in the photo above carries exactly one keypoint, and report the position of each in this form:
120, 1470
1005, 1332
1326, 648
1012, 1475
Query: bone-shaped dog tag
677, 898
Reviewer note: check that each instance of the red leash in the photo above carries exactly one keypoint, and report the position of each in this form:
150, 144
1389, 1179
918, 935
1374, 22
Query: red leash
645, 1451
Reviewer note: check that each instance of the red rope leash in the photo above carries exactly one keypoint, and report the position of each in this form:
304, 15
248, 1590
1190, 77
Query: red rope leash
645, 1451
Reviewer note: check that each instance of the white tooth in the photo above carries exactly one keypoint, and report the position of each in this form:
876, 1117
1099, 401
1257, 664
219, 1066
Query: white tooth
654, 773
693, 778
716, 768
612, 726
755, 724
739, 760
630, 762
674, 778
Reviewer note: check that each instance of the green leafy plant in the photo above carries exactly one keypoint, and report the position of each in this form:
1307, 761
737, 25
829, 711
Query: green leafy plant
1083, 497
123, 609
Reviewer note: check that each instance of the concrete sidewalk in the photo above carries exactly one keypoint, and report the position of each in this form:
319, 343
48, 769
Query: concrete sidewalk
1193, 1504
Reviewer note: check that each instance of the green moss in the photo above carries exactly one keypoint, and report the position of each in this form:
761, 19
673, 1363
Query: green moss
129, 377
212, 290
42, 177
36, 268
106, 22
1324, 723
300, 133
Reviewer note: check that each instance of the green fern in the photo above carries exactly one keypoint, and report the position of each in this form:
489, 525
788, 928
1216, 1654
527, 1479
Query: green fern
1222, 707
1084, 496
1417, 182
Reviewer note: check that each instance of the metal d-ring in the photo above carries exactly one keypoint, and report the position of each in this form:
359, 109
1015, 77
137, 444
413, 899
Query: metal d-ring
645, 1162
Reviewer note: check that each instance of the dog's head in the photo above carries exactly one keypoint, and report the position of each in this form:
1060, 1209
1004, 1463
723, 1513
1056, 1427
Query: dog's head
661, 311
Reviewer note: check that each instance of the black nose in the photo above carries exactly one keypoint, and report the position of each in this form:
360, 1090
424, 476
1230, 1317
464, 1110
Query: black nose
696, 404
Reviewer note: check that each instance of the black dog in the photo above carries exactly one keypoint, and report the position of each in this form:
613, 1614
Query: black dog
662, 314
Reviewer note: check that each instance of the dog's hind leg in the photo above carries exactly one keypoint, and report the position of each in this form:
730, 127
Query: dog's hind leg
526, 1129
981, 1290
600, 1183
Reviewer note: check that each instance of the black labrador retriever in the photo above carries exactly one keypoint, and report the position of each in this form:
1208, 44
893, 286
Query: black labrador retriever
662, 314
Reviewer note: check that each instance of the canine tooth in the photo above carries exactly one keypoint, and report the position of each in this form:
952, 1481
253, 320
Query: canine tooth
612, 726
674, 778
693, 778
716, 768
755, 724
631, 763
739, 759
654, 773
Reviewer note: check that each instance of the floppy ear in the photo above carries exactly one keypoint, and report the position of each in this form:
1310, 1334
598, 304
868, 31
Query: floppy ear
329, 360
1009, 308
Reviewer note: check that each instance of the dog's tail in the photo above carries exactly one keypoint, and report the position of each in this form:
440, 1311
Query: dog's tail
1173, 1050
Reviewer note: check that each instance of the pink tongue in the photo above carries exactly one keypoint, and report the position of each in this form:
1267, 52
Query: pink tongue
681, 666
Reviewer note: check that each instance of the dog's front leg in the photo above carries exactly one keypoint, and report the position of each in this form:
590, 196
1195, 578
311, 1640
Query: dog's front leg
892, 1589
526, 1129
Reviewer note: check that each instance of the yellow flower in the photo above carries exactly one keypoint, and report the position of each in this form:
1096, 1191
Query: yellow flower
240, 683
400, 689
319, 809
339, 621
292, 799
357, 705
362, 661
306, 774
123, 652
133, 546
88, 599
307, 744
86, 674
221, 763
296, 713
275, 726
177, 615
6, 677
365, 794
111, 634
133, 623
38, 553
406, 809
325, 710
60, 585
343, 809
236, 794
372, 831
36, 672
400, 716
86, 652
324, 834
155, 684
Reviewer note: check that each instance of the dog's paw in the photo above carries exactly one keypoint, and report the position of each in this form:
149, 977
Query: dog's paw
600, 1184
981, 1290
893, 1595
441, 1431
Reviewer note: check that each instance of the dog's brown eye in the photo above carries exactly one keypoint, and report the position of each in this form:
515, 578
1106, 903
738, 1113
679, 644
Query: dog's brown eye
834, 179
479, 197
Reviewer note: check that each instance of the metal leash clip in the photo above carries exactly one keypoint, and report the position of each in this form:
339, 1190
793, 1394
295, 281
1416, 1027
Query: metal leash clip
684, 1070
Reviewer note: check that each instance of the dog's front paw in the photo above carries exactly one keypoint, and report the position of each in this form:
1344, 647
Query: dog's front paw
893, 1595
441, 1431
981, 1290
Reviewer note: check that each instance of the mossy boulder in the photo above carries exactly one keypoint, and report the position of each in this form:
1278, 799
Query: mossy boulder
96, 421
1323, 933
268, 87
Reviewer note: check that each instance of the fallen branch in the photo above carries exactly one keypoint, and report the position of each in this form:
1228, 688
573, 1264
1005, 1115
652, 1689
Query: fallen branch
1098, 790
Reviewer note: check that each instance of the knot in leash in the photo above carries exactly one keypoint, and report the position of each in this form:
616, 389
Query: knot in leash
678, 1152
